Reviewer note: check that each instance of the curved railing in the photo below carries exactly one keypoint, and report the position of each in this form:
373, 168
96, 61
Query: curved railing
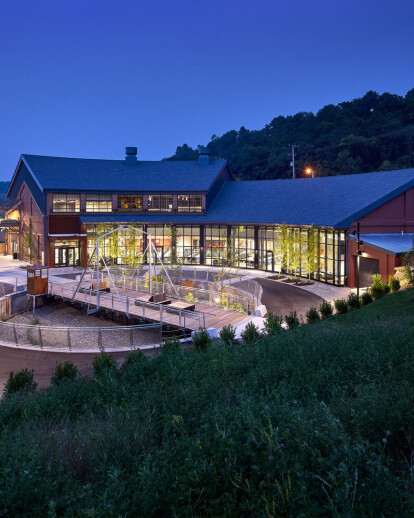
78, 338
228, 298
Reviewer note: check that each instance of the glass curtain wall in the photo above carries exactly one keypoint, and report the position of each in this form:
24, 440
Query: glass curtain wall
295, 248
122, 247
216, 240
323, 258
188, 244
242, 242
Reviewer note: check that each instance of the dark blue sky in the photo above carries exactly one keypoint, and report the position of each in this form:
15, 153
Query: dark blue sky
87, 78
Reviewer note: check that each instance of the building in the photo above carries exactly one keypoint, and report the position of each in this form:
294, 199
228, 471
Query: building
196, 212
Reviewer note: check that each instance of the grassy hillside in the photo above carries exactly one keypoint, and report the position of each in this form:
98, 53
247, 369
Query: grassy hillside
318, 421
370, 133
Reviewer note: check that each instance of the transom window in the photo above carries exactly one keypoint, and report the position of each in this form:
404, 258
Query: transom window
160, 203
189, 203
130, 202
64, 202
98, 203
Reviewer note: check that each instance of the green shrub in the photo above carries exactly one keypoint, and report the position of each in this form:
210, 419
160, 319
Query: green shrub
326, 309
250, 334
22, 382
103, 362
134, 357
394, 283
292, 320
366, 298
378, 287
341, 306
228, 335
353, 301
201, 340
273, 324
64, 371
312, 316
407, 273
171, 345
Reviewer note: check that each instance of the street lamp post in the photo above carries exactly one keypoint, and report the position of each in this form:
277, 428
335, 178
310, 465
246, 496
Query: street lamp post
309, 172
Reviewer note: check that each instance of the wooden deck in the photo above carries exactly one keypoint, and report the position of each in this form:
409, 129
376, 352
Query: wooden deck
203, 316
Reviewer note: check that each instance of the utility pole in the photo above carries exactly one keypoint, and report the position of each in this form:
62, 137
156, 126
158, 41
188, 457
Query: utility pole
293, 146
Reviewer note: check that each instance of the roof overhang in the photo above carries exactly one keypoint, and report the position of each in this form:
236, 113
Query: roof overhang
391, 244
9, 223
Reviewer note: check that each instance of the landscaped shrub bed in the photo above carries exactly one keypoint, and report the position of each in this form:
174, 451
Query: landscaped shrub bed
317, 421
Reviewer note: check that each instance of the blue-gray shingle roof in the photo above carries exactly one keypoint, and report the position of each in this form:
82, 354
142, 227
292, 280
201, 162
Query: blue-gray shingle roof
81, 174
334, 201
329, 201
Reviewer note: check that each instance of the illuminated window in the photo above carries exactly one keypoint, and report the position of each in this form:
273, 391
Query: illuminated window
189, 203
98, 203
130, 202
64, 202
160, 203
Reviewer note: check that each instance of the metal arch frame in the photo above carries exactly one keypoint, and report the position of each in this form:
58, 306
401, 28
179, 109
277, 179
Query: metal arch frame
149, 249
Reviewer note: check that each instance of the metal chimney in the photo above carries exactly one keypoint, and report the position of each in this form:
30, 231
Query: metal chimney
131, 155
203, 156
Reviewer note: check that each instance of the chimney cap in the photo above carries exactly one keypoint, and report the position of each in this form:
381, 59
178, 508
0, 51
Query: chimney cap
203, 150
131, 150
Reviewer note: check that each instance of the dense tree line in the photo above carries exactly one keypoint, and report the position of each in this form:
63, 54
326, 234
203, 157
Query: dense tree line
371, 133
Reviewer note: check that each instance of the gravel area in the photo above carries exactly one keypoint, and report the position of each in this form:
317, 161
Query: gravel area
86, 336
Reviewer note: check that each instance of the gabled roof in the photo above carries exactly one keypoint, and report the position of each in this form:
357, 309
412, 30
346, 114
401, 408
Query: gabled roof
332, 201
81, 174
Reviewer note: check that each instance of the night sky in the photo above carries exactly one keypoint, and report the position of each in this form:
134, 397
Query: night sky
87, 78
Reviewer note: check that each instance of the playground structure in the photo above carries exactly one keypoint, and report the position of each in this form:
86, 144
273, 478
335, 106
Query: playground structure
96, 259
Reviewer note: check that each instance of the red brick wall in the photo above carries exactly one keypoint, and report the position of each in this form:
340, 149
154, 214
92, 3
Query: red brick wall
31, 212
387, 263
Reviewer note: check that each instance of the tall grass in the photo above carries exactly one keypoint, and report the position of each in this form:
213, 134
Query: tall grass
317, 421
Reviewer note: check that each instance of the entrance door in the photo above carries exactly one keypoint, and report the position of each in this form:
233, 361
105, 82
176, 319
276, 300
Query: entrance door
65, 256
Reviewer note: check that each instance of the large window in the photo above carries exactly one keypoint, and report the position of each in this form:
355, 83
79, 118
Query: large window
216, 241
188, 244
160, 203
122, 247
315, 252
98, 203
189, 203
130, 202
64, 202
242, 242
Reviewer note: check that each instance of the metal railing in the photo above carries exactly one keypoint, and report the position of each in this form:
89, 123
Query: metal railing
228, 298
77, 338
132, 305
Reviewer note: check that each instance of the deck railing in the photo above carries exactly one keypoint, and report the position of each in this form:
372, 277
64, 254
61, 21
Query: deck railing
228, 298
139, 309
78, 338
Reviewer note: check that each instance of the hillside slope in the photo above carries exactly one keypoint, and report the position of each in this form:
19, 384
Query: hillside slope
371, 133
314, 422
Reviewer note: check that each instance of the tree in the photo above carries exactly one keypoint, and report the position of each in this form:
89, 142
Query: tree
175, 267
29, 243
356, 136
283, 247
309, 252
294, 251
227, 257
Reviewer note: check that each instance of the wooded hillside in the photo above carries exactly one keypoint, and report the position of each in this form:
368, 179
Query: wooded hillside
371, 133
